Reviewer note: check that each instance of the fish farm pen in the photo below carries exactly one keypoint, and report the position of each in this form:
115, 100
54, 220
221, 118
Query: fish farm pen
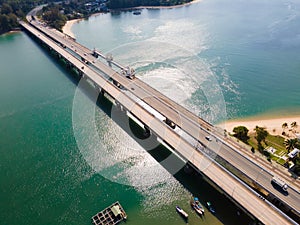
110, 216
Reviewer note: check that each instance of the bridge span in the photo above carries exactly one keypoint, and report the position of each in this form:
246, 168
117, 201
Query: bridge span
177, 115
84, 60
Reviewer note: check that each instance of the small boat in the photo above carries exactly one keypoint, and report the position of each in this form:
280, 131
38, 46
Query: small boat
136, 12
210, 207
196, 200
197, 206
182, 212
197, 209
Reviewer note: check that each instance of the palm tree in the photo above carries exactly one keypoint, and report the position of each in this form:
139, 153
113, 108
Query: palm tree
294, 125
284, 126
290, 144
261, 134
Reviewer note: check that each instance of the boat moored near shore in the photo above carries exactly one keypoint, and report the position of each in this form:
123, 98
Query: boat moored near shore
197, 206
210, 207
182, 212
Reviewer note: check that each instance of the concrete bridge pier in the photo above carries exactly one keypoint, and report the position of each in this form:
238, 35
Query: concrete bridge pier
95, 54
102, 91
119, 106
109, 59
80, 73
147, 131
57, 55
68, 65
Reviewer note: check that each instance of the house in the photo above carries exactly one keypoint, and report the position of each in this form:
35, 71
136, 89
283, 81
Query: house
294, 153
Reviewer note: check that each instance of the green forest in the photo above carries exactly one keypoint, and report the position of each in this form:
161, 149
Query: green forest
117, 4
11, 10
57, 14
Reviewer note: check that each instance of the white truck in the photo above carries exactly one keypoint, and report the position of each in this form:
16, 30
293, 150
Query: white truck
279, 182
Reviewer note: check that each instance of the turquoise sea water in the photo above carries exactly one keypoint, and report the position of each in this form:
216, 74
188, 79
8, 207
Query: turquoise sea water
241, 51
250, 48
46, 178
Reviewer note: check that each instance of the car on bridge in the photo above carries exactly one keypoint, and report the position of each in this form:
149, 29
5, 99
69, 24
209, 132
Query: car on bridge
208, 138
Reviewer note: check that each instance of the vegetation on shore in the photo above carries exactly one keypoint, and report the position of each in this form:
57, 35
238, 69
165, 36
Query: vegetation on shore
56, 15
12, 10
241, 133
117, 4
9, 12
259, 139
53, 16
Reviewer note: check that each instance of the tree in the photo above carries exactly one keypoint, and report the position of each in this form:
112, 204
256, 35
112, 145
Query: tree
241, 133
54, 17
296, 168
13, 20
290, 144
284, 126
294, 125
6, 9
260, 147
261, 134
4, 23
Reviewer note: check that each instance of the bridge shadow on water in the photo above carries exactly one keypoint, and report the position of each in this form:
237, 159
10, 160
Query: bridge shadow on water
195, 182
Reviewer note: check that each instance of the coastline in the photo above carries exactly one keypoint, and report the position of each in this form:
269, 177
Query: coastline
13, 31
157, 7
272, 123
67, 28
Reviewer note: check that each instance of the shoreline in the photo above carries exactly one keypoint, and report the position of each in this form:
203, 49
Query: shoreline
272, 123
13, 31
156, 7
67, 28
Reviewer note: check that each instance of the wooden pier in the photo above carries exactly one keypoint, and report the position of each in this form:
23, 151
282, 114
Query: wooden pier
110, 216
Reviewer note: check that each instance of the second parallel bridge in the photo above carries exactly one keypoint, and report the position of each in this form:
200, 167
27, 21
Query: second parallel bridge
187, 121
249, 200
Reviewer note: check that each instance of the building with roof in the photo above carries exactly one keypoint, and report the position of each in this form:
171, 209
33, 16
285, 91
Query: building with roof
293, 153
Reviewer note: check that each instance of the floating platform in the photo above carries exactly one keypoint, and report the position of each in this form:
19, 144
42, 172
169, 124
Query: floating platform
111, 215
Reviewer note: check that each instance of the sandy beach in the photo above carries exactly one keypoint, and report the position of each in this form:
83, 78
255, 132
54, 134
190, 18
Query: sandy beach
272, 125
67, 28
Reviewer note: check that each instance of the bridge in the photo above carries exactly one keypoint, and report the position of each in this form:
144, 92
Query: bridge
89, 67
